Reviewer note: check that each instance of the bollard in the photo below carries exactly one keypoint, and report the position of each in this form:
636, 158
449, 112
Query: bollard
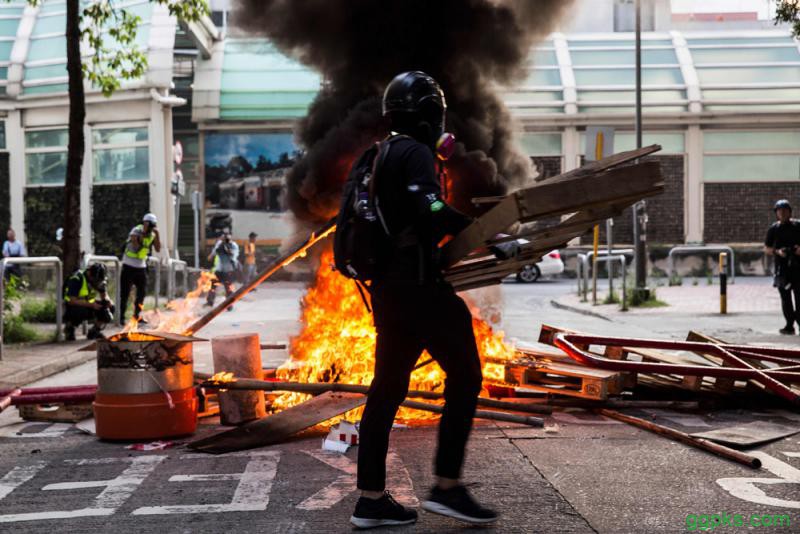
594, 263
239, 354
723, 283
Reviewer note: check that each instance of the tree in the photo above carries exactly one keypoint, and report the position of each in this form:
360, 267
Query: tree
789, 11
110, 31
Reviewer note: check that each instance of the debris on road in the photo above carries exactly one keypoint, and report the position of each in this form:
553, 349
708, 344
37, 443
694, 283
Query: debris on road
749, 434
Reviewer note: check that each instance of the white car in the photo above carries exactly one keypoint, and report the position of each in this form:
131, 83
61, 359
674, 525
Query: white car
550, 264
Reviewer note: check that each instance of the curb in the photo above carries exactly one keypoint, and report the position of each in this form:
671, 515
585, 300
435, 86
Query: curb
27, 375
576, 309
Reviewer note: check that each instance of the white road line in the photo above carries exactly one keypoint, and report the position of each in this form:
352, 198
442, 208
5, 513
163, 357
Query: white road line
116, 492
18, 476
398, 481
251, 495
746, 487
54, 430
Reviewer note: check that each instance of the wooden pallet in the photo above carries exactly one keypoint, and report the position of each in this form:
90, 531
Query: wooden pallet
564, 379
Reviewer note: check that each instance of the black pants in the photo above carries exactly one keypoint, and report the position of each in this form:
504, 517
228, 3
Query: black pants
226, 279
75, 315
132, 276
410, 319
791, 312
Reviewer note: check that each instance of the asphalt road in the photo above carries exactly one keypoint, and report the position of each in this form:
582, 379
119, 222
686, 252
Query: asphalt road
582, 473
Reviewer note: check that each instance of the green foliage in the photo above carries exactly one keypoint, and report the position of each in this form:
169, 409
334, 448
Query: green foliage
635, 300
38, 311
14, 328
788, 11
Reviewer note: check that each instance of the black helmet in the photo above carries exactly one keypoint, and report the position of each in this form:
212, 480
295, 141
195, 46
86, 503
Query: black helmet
783, 203
97, 271
415, 104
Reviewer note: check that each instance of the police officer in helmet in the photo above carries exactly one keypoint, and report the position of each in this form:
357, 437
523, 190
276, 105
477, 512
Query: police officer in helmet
414, 309
783, 242
86, 299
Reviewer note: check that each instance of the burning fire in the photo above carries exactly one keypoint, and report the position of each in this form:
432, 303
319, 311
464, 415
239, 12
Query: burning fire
183, 312
337, 343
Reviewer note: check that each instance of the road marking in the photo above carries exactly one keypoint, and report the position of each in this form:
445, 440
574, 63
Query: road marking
251, 495
116, 492
745, 488
399, 481
18, 476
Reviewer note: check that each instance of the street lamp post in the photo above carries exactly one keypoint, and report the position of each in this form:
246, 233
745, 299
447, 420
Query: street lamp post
639, 209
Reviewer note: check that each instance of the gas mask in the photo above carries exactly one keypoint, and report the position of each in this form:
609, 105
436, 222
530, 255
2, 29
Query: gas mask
445, 146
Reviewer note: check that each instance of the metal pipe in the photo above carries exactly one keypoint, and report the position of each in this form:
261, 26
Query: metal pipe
623, 263
73, 397
48, 390
699, 443
701, 248
639, 214
7, 397
274, 267
157, 263
42, 260
89, 258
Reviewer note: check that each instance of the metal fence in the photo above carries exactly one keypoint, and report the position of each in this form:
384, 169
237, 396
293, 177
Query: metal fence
44, 260
685, 249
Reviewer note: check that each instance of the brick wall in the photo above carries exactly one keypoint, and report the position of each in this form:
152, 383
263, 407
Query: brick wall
664, 212
547, 166
5, 196
742, 212
44, 214
117, 208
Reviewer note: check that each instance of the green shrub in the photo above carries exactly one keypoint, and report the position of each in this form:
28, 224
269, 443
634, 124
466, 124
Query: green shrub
38, 311
16, 331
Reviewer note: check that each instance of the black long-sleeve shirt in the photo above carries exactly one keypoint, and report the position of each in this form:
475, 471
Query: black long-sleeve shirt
410, 199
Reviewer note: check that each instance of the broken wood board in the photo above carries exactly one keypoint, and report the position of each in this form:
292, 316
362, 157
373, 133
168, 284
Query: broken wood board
550, 198
748, 435
275, 428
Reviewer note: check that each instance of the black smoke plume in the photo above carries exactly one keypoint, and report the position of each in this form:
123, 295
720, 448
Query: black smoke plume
469, 46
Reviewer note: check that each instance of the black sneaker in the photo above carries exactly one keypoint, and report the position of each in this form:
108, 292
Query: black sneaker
458, 504
787, 330
381, 512
93, 333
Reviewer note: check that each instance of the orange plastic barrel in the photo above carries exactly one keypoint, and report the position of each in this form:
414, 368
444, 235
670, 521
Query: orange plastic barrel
145, 388
147, 416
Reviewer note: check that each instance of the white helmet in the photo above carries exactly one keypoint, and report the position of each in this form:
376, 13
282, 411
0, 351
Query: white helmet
151, 218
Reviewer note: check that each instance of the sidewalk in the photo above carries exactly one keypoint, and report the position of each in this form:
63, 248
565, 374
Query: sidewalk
754, 310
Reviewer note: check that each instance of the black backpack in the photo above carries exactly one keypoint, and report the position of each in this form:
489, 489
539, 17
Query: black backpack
362, 237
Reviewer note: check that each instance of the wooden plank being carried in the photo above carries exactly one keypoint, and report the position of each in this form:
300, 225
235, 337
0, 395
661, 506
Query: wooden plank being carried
549, 198
276, 428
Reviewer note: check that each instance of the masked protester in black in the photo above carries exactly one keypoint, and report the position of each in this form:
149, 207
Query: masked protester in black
414, 309
783, 242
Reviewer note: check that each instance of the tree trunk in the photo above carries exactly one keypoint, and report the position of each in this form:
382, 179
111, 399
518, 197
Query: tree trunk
77, 115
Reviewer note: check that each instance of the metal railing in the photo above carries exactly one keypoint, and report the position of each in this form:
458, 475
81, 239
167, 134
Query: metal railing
89, 258
588, 263
44, 260
172, 267
157, 262
683, 249
624, 264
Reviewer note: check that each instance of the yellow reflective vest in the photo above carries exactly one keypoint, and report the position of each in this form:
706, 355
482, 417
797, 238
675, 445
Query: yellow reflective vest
85, 292
144, 250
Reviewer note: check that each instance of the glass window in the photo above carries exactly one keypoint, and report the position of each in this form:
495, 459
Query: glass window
53, 24
608, 43
543, 57
751, 168
671, 143
118, 164
543, 77
745, 55
191, 146
747, 74
630, 96
46, 71
740, 40
46, 156
120, 154
46, 139
49, 48
627, 77
751, 141
541, 144
2, 135
5, 49
622, 57
119, 136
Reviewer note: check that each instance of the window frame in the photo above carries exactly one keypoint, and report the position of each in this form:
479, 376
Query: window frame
43, 150
111, 146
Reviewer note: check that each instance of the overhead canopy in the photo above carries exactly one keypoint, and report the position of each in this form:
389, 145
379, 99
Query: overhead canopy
246, 79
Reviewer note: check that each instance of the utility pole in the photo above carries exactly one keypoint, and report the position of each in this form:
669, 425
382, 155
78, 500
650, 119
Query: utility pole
639, 212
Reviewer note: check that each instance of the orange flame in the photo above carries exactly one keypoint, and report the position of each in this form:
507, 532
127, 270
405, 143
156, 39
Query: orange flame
337, 344
182, 312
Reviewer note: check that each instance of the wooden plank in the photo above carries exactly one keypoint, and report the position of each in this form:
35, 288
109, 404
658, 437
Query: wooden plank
549, 199
565, 378
275, 428
748, 435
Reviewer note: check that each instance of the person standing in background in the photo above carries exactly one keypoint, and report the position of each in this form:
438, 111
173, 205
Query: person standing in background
141, 240
250, 257
225, 256
12, 248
